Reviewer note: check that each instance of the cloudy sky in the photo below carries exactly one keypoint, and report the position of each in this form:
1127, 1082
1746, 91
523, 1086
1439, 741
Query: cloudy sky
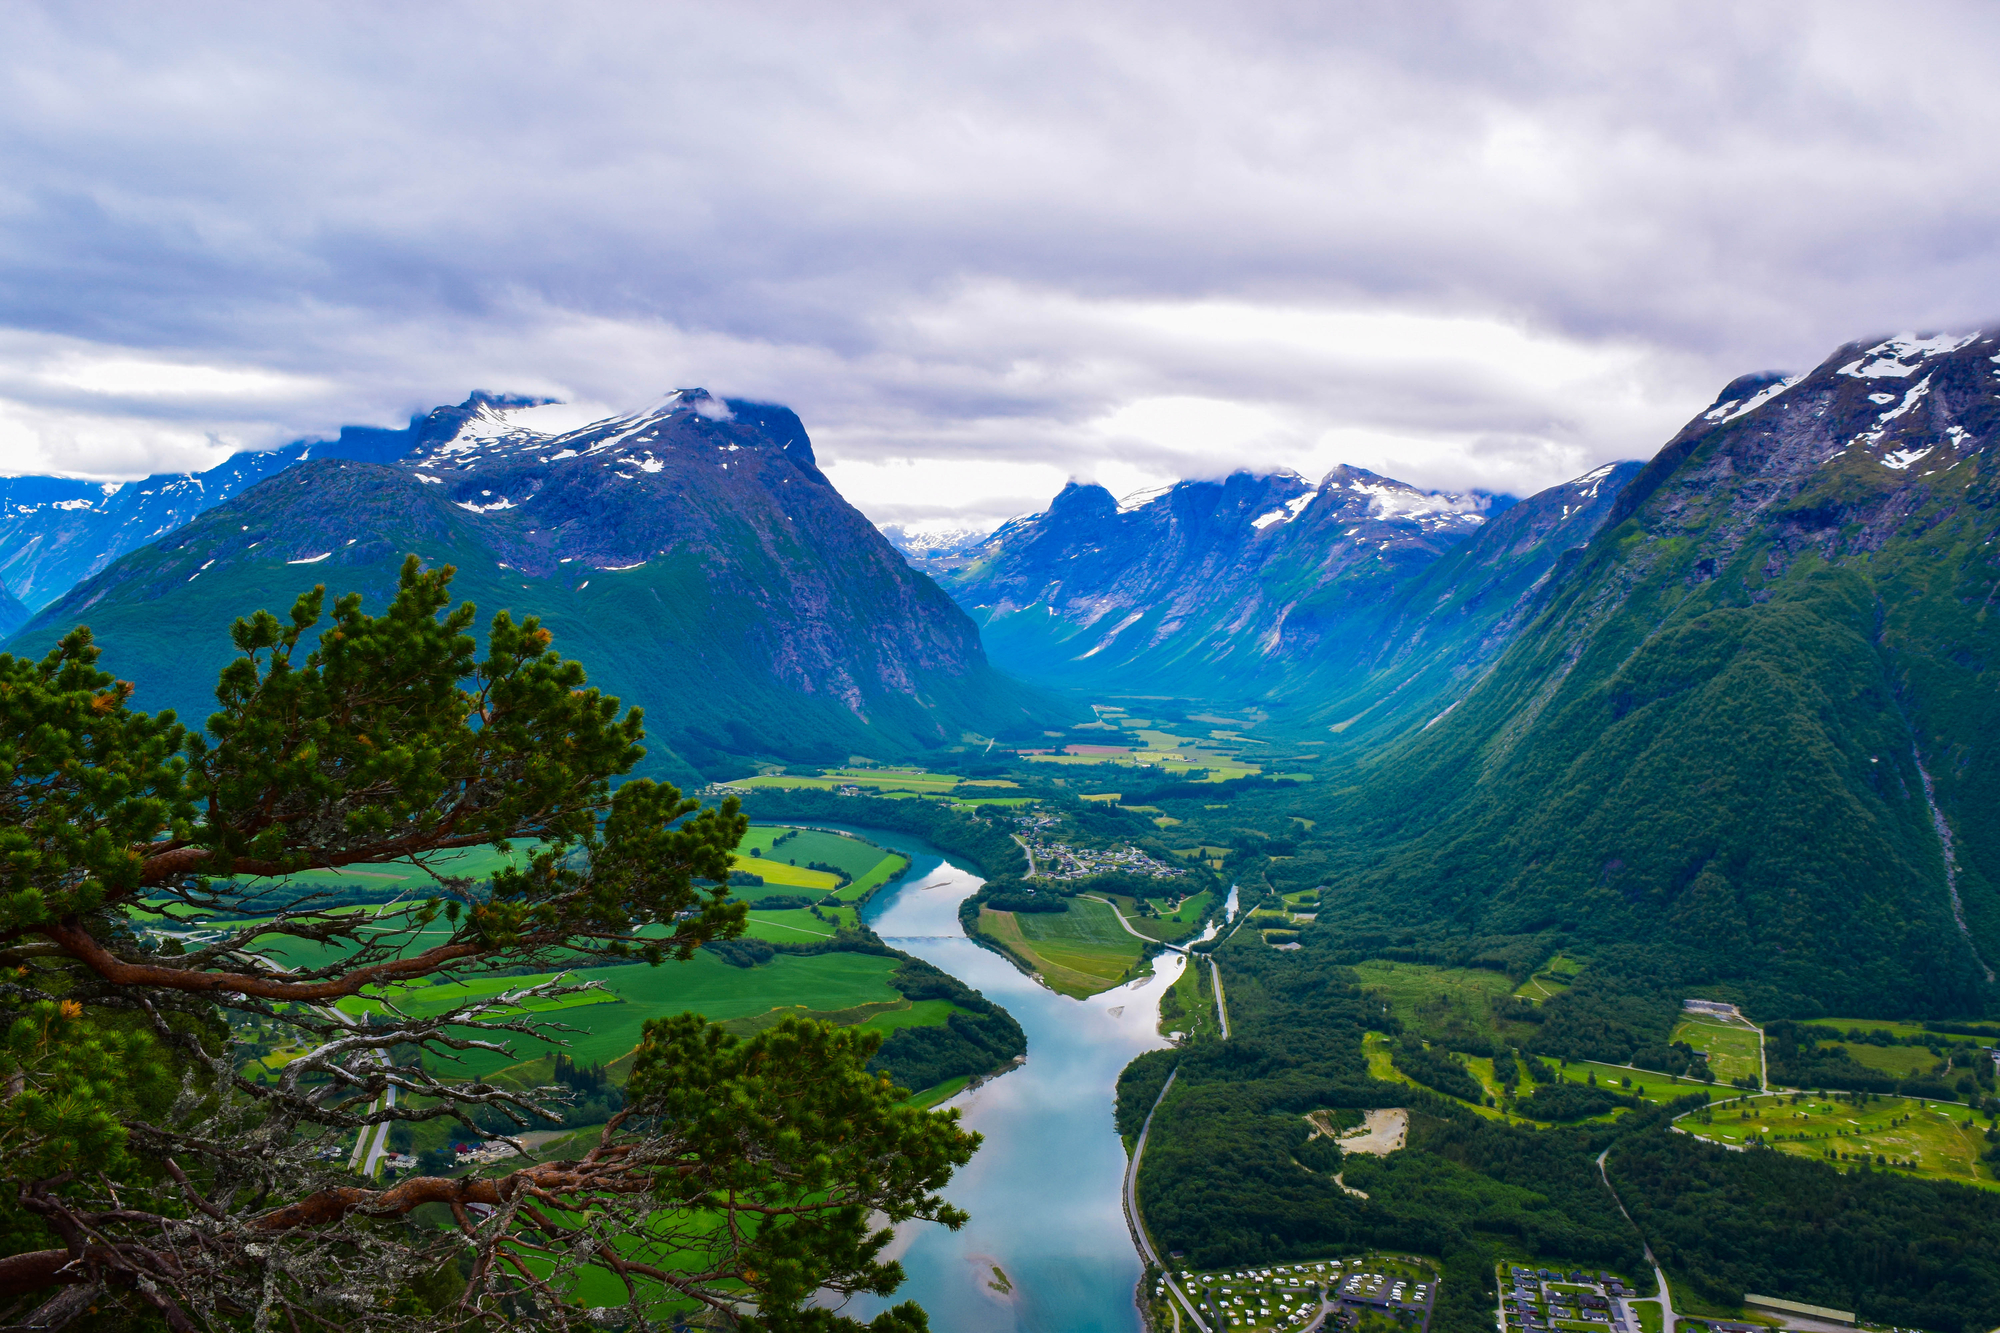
980, 248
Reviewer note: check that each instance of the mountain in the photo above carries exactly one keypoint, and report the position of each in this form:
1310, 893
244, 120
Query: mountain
693, 557
934, 551
1439, 630
57, 531
1753, 721
1255, 584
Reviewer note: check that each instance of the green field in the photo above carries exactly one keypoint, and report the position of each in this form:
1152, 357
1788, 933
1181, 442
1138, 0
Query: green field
888, 868
1732, 1048
918, 1014
1375, 1046
704, 985
1938, 1141
801, 846
791, 876
867, 866
1840, 1026
1437, 1003
1174, 923
798, 926
1079, 952
879, 780
1900, 1061
1216, 771
1645, 1085
1167, 926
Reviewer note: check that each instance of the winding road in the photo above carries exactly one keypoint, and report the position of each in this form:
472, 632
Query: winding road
1128, 925
1666, 1298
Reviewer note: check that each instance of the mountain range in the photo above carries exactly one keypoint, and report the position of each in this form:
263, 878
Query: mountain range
692, 555
1735, 697
1735, 700
1266, 585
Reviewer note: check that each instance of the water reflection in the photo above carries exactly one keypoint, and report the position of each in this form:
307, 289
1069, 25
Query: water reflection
1044, 1189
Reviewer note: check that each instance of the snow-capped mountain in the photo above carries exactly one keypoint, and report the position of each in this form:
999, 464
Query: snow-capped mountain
1203, 583
936, 551
691, 555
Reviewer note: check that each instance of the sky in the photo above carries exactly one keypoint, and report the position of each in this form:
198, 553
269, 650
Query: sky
981, 249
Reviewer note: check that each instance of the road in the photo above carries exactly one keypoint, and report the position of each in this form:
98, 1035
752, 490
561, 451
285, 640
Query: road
380, 1145
1666, 1297
1138, 1224
1025, 851
1221, 1010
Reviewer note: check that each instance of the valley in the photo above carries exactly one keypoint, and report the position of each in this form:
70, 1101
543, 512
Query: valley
1550, 832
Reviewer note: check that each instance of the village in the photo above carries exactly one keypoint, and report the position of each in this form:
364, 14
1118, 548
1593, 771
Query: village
1059, 860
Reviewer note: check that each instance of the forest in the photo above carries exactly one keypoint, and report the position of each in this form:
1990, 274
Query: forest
1898, 1250
1228, 1177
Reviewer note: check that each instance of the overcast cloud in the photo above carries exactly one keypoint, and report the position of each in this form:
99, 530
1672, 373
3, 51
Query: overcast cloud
980, 248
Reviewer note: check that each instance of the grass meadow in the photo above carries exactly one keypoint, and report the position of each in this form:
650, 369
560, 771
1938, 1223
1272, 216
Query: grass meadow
1938, 1141
1078, 953
1732, 1049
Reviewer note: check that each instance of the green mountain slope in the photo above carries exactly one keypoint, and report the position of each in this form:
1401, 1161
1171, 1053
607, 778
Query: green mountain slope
1719, 731
698, 566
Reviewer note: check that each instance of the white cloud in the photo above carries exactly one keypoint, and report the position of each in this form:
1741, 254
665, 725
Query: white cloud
979, 251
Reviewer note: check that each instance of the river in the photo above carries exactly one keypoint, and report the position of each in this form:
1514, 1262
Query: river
1044, 1189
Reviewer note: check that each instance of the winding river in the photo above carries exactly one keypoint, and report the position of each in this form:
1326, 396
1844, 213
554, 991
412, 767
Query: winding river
1044, 1189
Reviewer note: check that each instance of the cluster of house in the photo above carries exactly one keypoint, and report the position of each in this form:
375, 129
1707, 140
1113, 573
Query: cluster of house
1059, 860
1536, 1299
481, 1153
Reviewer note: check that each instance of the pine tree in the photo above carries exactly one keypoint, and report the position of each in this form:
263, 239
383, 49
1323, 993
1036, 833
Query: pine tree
149, 1169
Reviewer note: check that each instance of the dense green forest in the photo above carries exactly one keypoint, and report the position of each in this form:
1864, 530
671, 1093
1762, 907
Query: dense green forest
1229, 1176
1900, 1251
978, 1038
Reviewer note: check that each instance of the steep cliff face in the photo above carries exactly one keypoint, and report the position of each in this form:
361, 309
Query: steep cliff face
1758, 712
692, 556
1206, 586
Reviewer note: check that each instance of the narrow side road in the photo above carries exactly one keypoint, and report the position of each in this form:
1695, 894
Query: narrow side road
1128, 925
1025, 852
1666, 1299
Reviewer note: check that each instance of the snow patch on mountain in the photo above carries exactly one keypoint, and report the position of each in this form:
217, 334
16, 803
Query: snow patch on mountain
1737, 407
1140, 499
1903, 355
1910, 400
1286, 512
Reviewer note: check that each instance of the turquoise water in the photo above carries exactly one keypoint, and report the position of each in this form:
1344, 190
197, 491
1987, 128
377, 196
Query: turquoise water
1044, 1189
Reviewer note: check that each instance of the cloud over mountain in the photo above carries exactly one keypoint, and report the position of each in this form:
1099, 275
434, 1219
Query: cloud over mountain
981, 251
